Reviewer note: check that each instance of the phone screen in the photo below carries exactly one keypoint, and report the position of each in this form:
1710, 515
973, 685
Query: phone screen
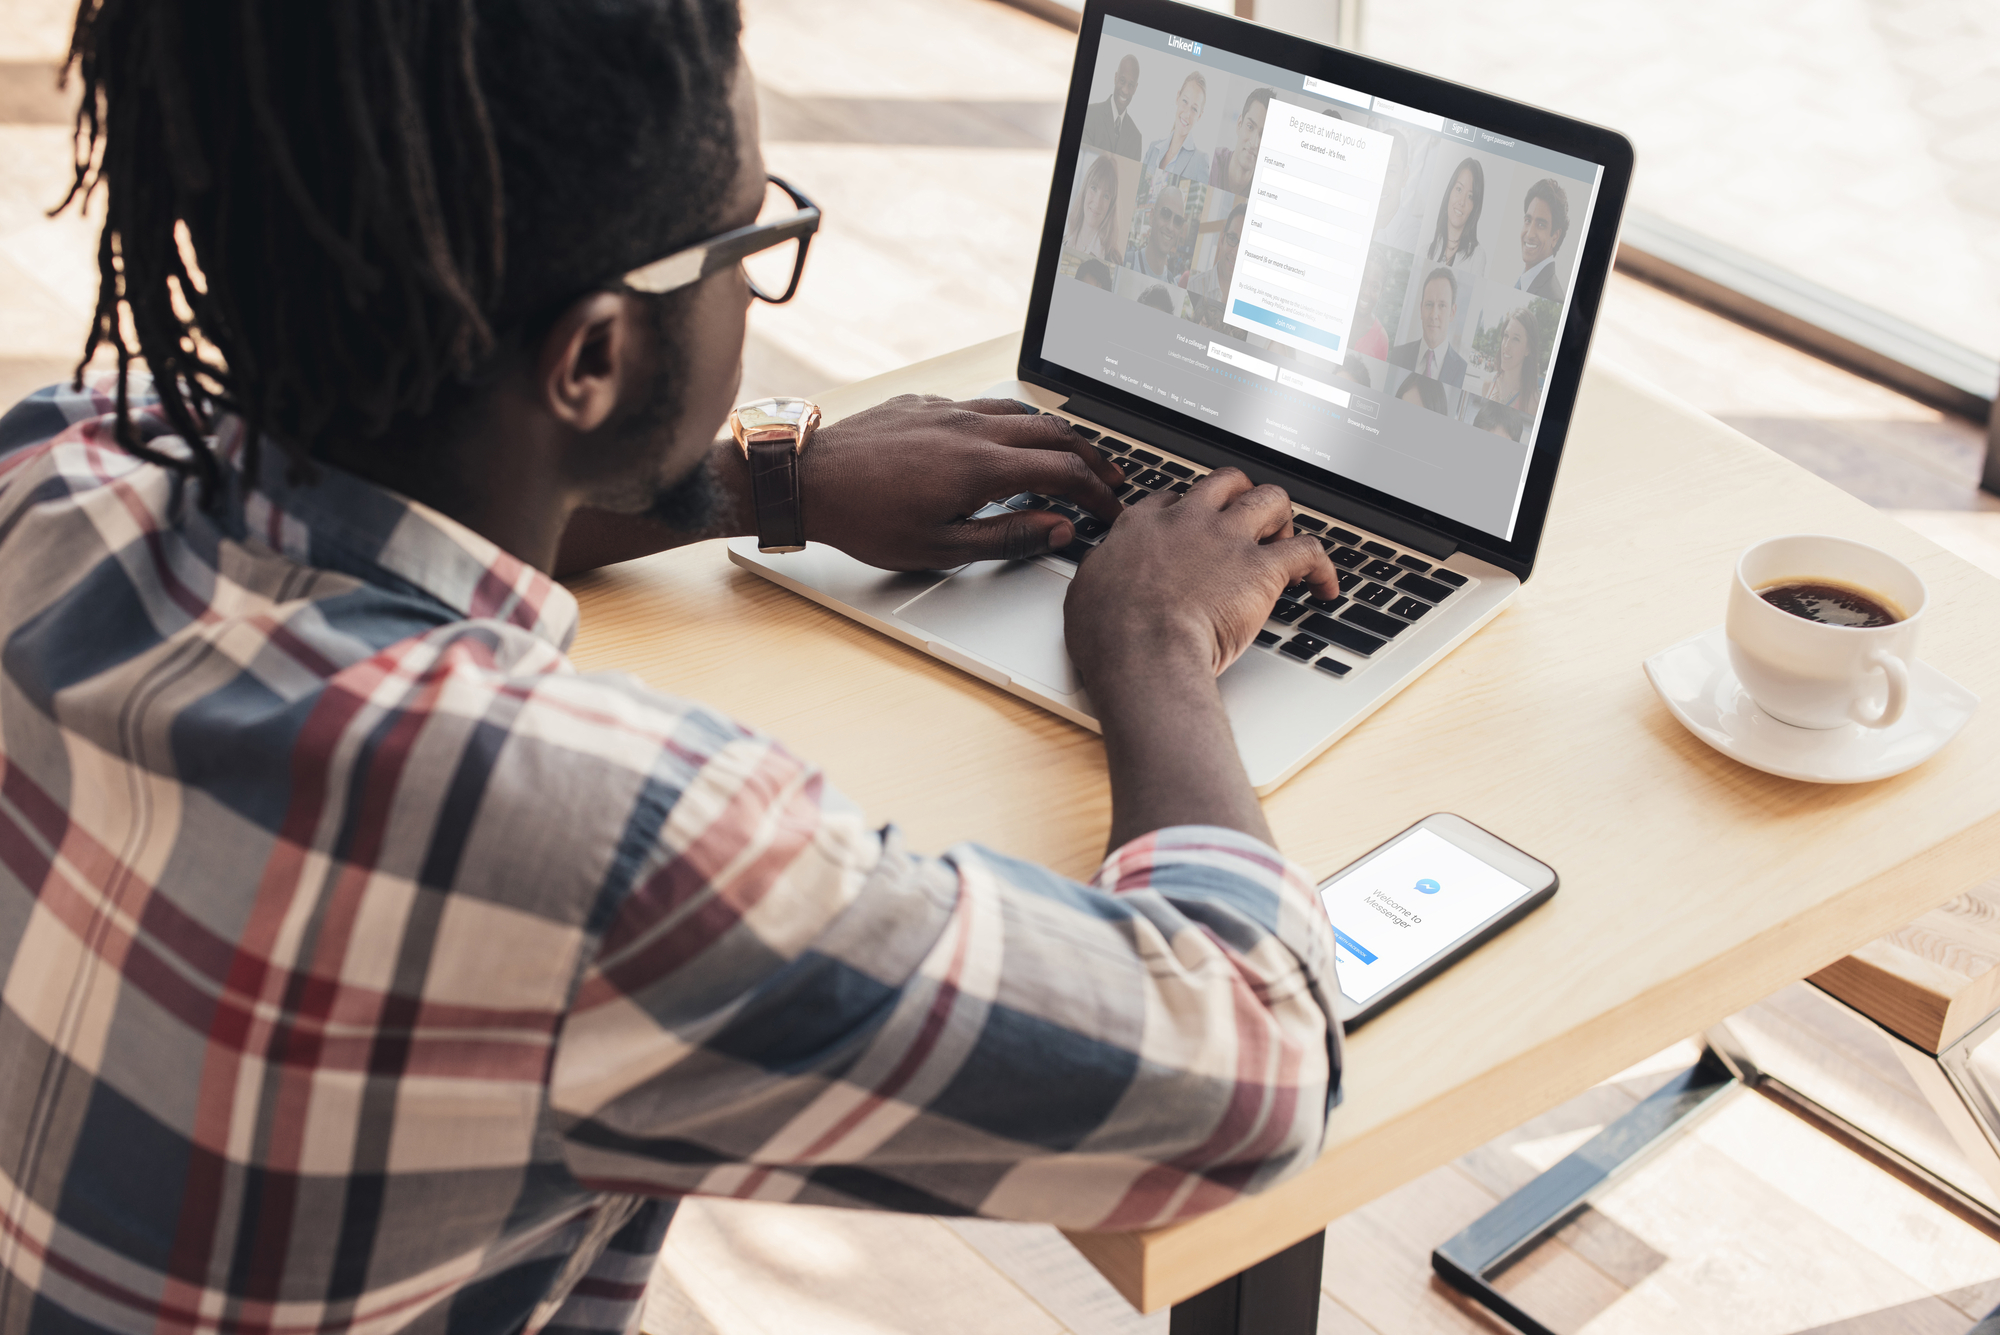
1407, 904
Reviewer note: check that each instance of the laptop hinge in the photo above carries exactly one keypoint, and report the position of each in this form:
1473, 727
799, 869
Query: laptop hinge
1304, 490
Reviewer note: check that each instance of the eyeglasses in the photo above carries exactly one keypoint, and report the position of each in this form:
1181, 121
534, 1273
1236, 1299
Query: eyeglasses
771, 250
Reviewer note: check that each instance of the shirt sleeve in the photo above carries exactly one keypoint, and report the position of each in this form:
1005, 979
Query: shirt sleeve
791, 1005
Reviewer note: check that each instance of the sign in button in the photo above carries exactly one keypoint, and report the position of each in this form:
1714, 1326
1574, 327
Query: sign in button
1351, 946
1243, 310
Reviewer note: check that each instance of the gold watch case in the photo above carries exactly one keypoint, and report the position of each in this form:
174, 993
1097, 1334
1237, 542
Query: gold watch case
780, 418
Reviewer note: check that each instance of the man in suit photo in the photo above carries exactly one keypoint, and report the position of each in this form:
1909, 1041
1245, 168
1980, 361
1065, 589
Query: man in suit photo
1432, 354
1544, 224
1105, 124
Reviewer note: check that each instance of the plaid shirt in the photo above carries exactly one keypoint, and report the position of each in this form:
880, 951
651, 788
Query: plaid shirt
366, 968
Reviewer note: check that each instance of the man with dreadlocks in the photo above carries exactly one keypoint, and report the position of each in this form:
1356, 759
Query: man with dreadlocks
363, 967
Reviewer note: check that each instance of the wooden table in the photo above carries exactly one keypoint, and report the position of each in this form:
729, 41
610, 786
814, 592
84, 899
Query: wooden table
1691, 885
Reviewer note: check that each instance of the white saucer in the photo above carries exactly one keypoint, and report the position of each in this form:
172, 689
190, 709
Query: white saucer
1695, 681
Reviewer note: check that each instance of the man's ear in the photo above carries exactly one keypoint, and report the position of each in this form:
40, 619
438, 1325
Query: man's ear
588, 355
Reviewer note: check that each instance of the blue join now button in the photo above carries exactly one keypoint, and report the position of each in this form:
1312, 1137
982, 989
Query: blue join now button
1352, 947
1286, 324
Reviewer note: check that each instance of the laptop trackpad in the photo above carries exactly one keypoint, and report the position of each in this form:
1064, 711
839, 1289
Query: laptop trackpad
1007, 612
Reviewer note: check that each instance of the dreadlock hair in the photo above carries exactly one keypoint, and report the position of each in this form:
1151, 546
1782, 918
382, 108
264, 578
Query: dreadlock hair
332, 216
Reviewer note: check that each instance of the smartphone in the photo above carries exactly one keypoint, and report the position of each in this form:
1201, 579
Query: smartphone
1417, 903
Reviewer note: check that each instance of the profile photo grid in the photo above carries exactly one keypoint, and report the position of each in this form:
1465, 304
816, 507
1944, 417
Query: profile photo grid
1462, 293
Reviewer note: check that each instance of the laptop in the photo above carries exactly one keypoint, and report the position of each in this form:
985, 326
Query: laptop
1372, 287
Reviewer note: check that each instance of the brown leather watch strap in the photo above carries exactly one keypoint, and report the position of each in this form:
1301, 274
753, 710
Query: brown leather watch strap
774, 488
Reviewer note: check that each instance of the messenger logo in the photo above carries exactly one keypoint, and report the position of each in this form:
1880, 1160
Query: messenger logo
1428, 887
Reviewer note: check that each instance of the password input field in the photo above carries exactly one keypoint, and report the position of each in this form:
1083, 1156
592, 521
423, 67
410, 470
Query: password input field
1318, 259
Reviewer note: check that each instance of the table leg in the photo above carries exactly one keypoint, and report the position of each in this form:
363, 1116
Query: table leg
1515, 1225
1277, 1296
1989, 476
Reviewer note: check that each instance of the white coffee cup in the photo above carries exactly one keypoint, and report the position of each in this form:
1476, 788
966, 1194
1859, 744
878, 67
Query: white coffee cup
1811, 674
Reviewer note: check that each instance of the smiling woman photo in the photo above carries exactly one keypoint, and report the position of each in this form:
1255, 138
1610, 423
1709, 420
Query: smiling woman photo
1455, 242
1517, 383
1174, 154
1092, 225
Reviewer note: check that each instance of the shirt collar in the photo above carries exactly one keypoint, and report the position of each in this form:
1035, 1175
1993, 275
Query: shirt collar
326, 517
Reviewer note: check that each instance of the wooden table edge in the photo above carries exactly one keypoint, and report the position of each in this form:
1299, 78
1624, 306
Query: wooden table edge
1158, 1267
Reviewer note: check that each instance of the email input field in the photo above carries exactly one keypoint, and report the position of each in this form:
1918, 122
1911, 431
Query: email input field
1305, 222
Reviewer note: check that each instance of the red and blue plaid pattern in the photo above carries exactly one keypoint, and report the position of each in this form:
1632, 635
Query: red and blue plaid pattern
368, 969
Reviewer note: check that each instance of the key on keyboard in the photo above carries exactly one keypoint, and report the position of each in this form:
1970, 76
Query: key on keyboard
1356, 641
1075, 552
1374, 622
1375, 595
1321, 625
1424, 588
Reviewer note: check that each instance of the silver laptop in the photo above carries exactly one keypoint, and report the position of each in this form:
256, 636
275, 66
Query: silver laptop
1372, 287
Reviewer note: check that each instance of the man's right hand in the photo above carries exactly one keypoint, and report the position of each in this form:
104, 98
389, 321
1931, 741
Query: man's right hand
1173, 595
1193, 575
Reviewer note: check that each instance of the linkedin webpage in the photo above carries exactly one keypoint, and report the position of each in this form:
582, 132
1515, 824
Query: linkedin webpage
1370, 288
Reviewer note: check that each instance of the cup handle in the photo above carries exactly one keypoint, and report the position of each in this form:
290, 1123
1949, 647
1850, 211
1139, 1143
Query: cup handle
1898, 677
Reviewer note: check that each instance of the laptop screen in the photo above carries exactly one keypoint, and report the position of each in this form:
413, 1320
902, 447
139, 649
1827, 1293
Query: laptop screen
1374, 290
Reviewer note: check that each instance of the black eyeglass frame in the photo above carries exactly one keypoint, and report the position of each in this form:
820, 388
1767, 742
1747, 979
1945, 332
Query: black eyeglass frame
691, 264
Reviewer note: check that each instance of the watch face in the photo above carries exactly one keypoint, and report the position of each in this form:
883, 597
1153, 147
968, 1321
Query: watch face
762, 413
774, 419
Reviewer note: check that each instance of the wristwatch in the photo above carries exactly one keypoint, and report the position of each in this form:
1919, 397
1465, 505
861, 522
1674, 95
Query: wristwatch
773, 433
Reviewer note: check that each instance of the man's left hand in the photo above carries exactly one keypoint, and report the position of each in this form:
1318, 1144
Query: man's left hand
894, 485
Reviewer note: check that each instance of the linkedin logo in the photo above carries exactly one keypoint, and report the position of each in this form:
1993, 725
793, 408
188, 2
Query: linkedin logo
1183, 44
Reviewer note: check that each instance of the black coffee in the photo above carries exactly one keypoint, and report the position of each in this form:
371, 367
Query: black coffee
1830, 604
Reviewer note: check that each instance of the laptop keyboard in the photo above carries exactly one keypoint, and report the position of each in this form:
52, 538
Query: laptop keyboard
1384, 590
